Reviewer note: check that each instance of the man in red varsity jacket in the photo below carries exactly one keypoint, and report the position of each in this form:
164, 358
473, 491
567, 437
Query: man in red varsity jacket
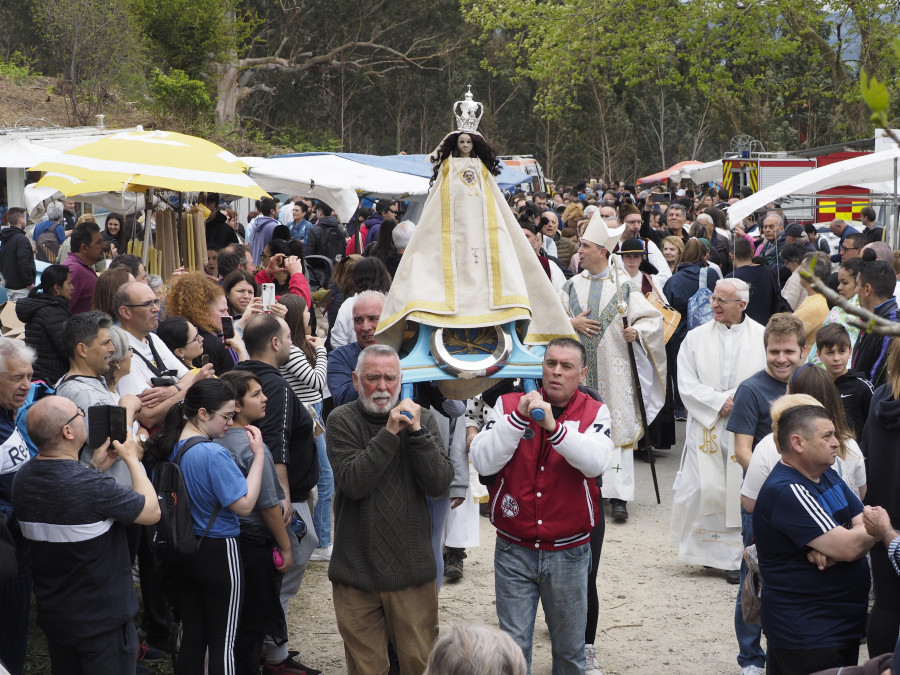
544, 502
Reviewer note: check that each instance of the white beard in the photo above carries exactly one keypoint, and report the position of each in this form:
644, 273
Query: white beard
380, 404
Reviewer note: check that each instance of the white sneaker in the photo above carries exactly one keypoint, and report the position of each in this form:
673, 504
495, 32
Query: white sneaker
753, 670
590, 661
322, 554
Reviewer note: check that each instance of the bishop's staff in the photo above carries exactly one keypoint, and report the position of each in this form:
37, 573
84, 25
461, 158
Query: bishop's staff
623, 312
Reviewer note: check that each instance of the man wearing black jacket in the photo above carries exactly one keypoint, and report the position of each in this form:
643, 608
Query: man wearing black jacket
16, 255
287, 430
875, 289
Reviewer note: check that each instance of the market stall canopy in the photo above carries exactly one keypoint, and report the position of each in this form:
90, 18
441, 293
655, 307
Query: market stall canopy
19, 153
663, 176
333, 179
874, 171
699, 173
339, 179
418, 165
120, 202
135, 160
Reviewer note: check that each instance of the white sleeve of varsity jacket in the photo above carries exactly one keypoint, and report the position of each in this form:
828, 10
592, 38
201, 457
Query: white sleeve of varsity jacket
589, 452
496, 443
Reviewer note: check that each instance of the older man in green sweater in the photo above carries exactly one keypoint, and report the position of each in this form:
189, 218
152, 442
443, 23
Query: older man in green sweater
387, 458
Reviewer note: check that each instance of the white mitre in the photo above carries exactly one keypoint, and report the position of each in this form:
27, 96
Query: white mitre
597, 233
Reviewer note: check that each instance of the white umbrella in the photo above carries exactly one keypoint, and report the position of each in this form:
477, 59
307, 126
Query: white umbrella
699, 173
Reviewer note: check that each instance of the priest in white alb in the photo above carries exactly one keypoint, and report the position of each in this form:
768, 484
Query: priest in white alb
713, 360
596, 301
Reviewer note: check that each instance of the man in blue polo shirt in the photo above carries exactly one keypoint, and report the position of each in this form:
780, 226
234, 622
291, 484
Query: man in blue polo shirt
785, 343
812, 544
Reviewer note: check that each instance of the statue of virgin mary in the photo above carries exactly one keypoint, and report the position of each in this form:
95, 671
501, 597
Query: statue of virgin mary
469, 264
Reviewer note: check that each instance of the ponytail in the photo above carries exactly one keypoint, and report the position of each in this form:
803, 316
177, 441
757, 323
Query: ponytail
209, 394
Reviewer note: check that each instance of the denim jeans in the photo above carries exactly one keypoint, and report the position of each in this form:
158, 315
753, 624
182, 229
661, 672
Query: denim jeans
559, 579
748, 634
440, 508
322, 514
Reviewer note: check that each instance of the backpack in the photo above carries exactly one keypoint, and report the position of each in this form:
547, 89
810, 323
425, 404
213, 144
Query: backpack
47, 247
172, 539
37, 391
333, 244
699, 309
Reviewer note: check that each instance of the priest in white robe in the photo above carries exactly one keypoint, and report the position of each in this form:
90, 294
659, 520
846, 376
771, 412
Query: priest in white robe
714, 359
592, 300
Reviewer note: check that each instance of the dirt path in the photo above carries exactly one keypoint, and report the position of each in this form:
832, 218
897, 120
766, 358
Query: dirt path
657, 615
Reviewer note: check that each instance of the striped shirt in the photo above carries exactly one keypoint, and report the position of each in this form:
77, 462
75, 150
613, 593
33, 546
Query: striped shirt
306, 381
894, 554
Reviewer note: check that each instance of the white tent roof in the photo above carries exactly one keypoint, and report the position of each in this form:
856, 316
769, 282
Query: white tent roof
873, 171
335, 180
699, 173
20, 153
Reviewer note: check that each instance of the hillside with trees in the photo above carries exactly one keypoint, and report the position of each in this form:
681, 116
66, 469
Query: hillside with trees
590, 87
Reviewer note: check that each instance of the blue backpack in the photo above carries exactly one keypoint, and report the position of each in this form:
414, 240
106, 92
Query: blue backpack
38, 391
699, 309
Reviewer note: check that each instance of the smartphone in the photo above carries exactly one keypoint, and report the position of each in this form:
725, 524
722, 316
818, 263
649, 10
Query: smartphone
227, 327
106, 421
204, 359
268, 296
661, 197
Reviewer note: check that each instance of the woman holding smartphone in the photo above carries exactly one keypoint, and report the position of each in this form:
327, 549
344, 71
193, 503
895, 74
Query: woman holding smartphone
209, 587
203, 303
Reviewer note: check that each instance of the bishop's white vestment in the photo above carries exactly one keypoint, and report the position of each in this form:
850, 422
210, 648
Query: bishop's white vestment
609, 365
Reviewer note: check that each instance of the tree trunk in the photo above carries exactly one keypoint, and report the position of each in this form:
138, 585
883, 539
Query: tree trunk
228, 93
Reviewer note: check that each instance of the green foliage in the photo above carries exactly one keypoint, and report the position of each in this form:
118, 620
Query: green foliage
188, 34
306, 140
92, 47
18, 68
876, 96
178, 95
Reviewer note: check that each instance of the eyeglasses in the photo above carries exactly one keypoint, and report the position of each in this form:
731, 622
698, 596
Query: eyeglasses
198, 338
265, 256
80, 413
227, 416
396, 213
849, 248
722, 301
148, 304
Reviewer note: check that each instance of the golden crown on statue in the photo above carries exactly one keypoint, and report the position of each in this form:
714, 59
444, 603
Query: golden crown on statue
468, 113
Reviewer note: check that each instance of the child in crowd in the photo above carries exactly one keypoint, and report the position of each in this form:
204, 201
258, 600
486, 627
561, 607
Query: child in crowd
833, 345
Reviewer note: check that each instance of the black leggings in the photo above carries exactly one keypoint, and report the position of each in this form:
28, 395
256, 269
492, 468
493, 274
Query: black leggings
593, 613
209, 591
884, 619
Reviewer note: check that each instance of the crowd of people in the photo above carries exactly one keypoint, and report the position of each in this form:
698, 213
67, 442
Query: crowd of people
285, 416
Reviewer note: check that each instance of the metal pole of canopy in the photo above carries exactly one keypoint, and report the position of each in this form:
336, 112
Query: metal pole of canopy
148, 211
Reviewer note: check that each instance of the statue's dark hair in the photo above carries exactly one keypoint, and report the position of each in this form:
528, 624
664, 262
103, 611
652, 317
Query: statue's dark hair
480, 148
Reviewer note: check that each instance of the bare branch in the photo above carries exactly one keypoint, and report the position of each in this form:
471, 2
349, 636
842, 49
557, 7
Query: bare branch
873, 323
